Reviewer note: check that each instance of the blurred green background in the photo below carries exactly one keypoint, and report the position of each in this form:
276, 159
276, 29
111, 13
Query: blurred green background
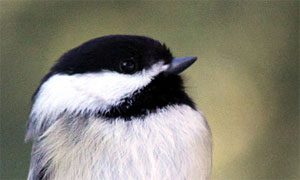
246, 80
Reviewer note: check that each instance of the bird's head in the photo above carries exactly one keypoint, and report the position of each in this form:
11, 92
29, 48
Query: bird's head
105, 72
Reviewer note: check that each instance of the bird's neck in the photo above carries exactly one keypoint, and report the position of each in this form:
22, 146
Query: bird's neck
161, 92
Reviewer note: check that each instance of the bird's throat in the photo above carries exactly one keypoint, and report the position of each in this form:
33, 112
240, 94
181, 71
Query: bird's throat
164, 90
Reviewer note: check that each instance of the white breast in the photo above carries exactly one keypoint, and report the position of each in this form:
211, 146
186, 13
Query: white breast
174, 143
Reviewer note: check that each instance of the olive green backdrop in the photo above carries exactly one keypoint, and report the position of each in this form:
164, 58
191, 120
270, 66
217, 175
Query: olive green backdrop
246, 80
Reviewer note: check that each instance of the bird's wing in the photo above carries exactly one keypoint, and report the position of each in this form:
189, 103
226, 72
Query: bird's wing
38, 166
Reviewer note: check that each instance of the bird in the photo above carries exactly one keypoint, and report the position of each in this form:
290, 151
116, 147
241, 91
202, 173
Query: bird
115, 107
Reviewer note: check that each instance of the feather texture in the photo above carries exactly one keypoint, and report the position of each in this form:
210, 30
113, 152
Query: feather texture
173, 143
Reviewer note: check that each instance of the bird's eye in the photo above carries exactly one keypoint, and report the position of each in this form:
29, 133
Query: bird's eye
128, 66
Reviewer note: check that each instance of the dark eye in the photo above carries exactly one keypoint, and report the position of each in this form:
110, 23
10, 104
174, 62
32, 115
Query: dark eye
128, 66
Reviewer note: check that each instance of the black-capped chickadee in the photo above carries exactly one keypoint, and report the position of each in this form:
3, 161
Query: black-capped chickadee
115, 108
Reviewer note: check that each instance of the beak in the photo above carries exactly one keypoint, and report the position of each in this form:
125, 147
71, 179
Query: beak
180, 64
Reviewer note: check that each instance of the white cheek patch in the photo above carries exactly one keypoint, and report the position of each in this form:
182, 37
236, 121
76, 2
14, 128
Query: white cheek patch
86, 92
109, 87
